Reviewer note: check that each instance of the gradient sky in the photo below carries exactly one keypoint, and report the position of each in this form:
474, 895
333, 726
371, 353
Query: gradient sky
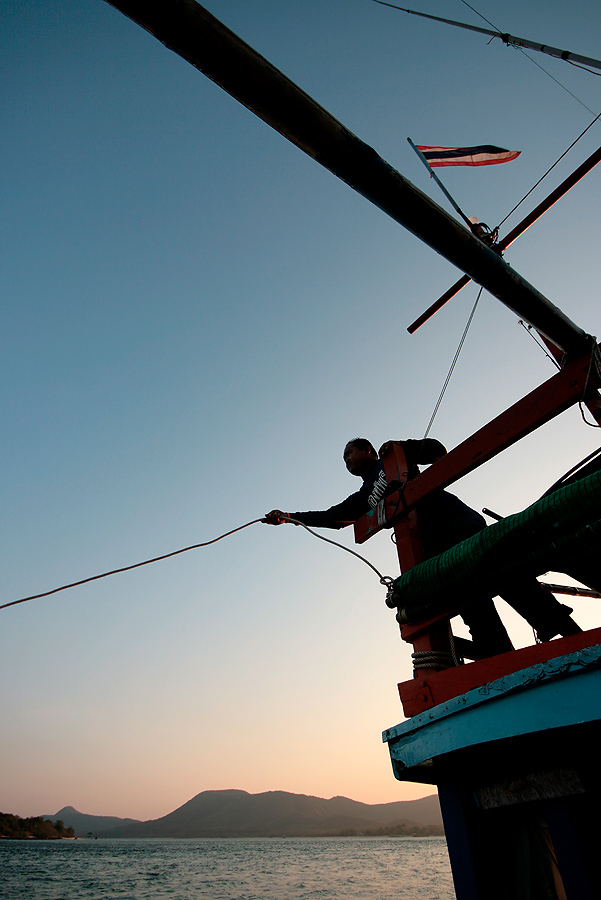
196, 318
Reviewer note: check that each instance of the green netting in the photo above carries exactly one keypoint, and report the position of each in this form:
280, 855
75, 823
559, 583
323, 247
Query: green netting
528, 543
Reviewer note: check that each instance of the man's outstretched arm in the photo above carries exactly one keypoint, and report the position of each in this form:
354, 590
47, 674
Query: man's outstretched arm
338, 516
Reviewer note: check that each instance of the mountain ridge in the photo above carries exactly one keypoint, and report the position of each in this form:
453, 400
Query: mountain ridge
83, 823
237, 813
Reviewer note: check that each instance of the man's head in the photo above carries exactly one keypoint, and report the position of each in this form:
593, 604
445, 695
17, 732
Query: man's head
359, 456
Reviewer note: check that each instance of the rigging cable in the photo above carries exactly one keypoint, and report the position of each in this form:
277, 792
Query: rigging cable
590, 125
567, 90
547, 73
453, 364
492, 25
384, 579
538, 343
542, 68
586, 384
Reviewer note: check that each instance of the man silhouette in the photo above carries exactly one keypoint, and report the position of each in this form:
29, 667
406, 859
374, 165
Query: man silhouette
444, 521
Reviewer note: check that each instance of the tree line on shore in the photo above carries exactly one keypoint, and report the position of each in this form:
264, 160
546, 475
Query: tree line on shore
35, 828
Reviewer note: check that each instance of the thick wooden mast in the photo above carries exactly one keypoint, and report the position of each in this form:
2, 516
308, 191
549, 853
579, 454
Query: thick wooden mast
189, 30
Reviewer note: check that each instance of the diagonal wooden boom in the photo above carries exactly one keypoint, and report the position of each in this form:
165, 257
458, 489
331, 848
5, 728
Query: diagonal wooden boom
189, 30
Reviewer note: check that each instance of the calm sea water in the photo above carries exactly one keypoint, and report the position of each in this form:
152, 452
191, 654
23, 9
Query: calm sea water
231, 869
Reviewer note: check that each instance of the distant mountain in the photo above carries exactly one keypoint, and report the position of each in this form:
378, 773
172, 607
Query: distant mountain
82, 824
277, 814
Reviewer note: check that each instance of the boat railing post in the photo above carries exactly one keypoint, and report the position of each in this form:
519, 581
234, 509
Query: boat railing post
433, 643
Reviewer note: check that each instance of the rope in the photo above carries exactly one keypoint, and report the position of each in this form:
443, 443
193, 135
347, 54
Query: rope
452, 643
432, 659
586, 384
542, 68
146, 562
453, 364
384, 579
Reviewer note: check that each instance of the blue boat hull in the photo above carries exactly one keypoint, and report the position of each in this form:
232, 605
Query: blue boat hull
516, 763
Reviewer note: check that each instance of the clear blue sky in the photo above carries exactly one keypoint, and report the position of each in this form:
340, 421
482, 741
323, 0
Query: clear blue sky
196, 318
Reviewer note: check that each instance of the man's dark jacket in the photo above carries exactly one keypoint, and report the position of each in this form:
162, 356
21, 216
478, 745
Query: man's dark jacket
444, 518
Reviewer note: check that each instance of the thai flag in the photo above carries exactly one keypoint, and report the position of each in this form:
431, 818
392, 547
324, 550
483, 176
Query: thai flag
483, 155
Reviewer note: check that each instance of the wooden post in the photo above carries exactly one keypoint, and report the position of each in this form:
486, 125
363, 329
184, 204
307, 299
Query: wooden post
436, 638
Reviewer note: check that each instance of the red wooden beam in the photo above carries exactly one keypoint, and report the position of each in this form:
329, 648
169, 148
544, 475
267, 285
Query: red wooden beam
548, 400
432, 688
435, 639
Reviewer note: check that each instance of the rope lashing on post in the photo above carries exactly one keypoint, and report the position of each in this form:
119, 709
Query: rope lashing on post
385, 580
433, 659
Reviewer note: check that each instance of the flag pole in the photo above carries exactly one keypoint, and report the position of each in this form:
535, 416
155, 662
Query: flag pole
519, 229
441, 185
